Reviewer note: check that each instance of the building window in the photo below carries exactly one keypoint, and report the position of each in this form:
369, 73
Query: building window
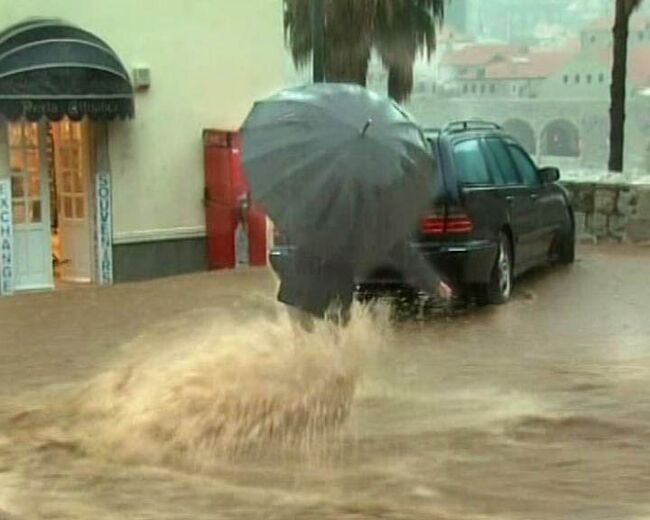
474, 89
601, 78
577, 78
25, 165
589, 78
492, 88
592, 38
482, 88
465, 88
566, 79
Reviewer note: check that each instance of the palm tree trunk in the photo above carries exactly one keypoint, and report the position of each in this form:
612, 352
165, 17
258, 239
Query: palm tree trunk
318, 40
393, 84
343, 66
400, 81
619, 77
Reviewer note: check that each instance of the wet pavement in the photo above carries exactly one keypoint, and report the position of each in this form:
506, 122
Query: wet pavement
538, 409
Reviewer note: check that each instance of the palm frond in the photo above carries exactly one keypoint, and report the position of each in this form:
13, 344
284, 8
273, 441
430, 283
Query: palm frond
403, 29
297, 30
632, 5
397, 29
348, 33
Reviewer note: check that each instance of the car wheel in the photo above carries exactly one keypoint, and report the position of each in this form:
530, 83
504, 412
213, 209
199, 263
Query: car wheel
499, 289
566, 247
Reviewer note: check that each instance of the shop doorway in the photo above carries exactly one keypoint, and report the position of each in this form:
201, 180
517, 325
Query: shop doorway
52, 190
59, 86
72, 230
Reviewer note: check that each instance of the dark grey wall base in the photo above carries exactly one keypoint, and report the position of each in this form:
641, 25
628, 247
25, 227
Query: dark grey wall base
148, 260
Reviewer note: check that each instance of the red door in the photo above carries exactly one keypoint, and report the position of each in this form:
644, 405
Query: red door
225, 184
219, 199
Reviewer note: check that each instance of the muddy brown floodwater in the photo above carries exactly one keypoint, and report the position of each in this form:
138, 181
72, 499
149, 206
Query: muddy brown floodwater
191, 398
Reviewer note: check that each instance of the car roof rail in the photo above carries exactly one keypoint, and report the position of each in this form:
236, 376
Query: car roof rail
470, 124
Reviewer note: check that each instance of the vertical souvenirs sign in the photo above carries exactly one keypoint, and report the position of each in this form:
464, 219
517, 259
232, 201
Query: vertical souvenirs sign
104, 203
104, 229
6, 239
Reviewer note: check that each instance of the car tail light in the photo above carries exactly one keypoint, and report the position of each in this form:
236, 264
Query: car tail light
459, 224
453, 224
433, 225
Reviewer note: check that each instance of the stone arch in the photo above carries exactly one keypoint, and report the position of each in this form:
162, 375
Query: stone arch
560, 138
523, 132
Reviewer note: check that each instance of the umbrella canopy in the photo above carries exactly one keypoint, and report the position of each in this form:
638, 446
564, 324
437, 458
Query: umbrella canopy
344, 172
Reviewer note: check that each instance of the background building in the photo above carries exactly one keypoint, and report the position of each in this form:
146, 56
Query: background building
554, 98
514, 21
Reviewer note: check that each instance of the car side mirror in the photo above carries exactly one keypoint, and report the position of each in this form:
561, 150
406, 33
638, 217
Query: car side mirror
549, 174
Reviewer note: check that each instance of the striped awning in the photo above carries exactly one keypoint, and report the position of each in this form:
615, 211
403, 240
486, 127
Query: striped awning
49, 68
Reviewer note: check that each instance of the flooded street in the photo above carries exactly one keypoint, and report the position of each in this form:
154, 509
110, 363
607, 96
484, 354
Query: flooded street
538, 409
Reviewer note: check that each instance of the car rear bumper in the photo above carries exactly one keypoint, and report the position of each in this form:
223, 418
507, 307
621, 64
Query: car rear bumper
466, 263
463, 263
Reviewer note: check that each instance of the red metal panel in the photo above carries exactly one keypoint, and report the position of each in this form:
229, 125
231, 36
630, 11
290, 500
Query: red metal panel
225, 184
220, 215
221, 243
218, 166
240, 184
257, 234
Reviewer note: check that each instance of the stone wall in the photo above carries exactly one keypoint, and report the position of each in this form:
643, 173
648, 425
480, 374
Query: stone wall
611, 211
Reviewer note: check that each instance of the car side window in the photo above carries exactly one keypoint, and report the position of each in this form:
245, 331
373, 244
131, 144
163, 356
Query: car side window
506, 169
470, 163
525, 166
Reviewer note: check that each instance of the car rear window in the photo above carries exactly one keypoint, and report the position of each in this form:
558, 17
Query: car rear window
470, 164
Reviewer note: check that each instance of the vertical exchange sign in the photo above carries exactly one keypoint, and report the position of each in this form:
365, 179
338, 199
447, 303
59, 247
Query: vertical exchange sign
6, 239
104, 229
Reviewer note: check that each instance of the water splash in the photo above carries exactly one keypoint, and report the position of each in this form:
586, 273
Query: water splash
232, 386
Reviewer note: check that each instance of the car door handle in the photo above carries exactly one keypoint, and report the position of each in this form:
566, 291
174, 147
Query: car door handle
534, 196
510, 199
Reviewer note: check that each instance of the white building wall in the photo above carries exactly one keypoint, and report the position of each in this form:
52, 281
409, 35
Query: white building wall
209, 60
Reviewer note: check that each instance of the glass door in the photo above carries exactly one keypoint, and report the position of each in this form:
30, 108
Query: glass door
30, 205
72, 161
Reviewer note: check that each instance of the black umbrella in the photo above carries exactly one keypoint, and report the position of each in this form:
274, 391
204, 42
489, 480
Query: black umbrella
342, 171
